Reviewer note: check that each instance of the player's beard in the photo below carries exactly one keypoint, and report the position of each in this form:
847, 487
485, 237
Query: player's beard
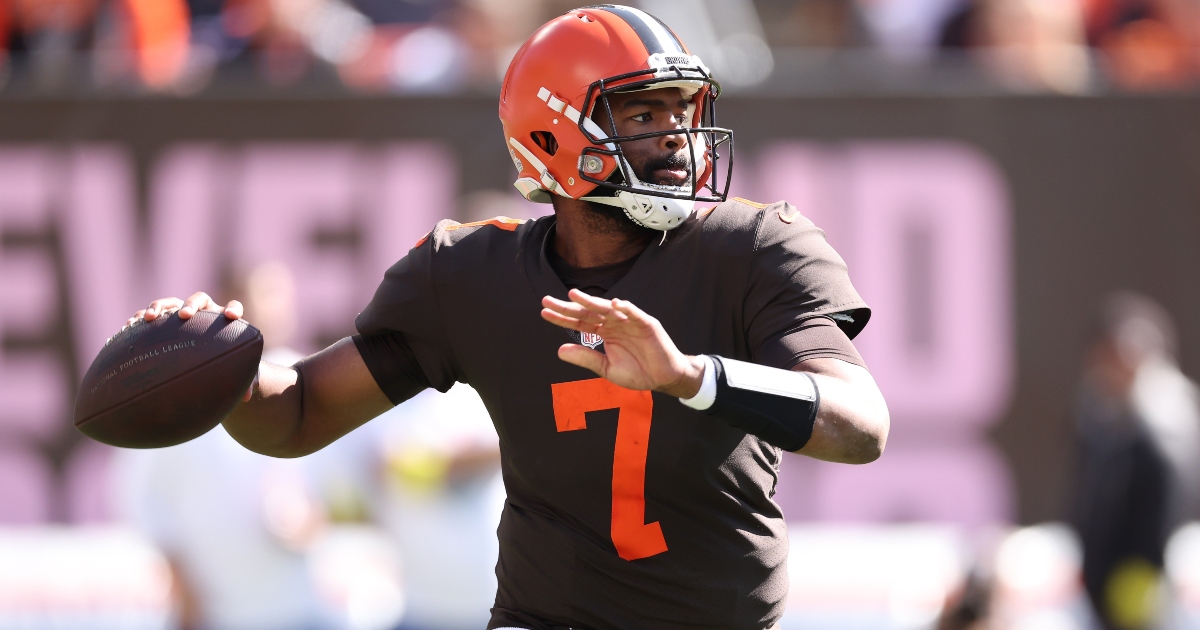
605, 219
674, 161
612, 219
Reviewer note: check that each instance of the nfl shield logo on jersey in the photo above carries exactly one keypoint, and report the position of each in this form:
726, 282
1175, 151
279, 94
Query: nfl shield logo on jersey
590, 340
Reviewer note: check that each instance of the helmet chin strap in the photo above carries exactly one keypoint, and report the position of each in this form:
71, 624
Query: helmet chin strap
649, 210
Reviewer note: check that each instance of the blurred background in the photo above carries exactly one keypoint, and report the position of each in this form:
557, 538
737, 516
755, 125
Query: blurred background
1014, 183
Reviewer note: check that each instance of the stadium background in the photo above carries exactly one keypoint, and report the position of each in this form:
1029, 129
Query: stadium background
988, 186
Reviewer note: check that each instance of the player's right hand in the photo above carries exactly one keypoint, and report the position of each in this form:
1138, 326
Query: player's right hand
199, 301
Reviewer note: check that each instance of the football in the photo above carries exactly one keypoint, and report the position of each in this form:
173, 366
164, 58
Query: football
167, 381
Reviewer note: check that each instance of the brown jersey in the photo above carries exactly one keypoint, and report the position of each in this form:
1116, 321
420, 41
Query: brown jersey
625, 508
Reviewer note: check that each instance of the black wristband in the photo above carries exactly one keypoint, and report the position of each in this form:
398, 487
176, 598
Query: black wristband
779, 406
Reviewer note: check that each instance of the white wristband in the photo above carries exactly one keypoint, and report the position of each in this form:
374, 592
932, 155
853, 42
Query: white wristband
708, 388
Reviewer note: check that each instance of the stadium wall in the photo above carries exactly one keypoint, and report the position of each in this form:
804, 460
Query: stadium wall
983, 230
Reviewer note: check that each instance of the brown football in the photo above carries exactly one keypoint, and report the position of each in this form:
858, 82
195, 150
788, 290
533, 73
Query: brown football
168, 381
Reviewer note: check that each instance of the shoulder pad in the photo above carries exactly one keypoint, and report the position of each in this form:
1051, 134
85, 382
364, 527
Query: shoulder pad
738, 204
739, 211
507, 224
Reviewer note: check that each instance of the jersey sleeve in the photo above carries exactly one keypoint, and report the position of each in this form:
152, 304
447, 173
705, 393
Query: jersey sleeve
796, 275
392, 363
814, 338
405, 308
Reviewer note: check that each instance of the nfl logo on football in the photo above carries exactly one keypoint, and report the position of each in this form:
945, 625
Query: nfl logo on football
591, 340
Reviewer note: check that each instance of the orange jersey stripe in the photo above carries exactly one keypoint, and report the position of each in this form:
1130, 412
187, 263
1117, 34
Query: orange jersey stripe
504, 223
507, 224
756, 204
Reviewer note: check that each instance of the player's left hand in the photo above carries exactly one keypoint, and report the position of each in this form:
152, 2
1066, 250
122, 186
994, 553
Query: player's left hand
638, 353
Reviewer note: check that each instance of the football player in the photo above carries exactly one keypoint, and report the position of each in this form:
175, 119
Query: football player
645, 363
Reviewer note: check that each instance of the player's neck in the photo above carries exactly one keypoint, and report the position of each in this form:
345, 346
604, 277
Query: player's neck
586, 235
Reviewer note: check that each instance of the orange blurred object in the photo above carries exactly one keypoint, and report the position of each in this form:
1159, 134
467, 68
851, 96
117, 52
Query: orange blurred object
6, 24
160, 31
1148, 54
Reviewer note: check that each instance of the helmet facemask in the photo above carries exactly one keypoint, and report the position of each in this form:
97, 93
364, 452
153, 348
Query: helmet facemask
709, 151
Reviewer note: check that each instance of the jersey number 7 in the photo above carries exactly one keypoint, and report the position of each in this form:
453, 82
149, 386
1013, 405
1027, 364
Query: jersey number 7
633, 537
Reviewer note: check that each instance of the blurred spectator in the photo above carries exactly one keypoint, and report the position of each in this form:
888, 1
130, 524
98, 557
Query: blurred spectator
6, 26
727, 34
400, 11
1138, 425
1147, 44
159, 30
234, 525
51, 33
813, 23
1023, 579
270, 301
442, 501
1026, 44
495, 29
411, 46
907, 29
439, 46
260, 543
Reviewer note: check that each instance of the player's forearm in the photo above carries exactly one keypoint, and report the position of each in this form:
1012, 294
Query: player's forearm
300, 410
852, 421
270, 422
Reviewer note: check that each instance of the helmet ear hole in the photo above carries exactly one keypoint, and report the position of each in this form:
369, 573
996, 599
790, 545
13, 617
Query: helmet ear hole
545, 141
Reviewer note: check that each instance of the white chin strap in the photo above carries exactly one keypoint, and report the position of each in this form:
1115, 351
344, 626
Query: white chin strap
656, 213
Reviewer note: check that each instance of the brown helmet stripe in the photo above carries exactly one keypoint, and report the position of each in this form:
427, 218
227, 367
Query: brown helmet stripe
655, 35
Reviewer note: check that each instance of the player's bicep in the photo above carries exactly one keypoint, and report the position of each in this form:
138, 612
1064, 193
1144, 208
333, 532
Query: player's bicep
339, 395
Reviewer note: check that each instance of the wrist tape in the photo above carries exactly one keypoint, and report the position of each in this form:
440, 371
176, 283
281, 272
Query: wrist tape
779, 406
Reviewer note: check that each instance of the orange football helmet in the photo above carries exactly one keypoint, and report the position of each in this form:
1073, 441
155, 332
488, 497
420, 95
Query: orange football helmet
560, 79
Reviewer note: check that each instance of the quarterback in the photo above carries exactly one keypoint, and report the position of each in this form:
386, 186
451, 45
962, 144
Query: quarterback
646, 353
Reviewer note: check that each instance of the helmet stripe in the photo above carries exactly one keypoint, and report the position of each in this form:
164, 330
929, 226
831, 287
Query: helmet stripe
655, 35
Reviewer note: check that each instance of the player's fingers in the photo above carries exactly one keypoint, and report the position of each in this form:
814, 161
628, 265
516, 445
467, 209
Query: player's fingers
160, 306
617, 317
556, 304
593, 304
199, 301
233, 310
571, 309
558, 319
629, 309
625, 311
584, 357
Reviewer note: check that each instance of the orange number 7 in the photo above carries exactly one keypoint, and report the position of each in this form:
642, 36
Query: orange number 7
633, 537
